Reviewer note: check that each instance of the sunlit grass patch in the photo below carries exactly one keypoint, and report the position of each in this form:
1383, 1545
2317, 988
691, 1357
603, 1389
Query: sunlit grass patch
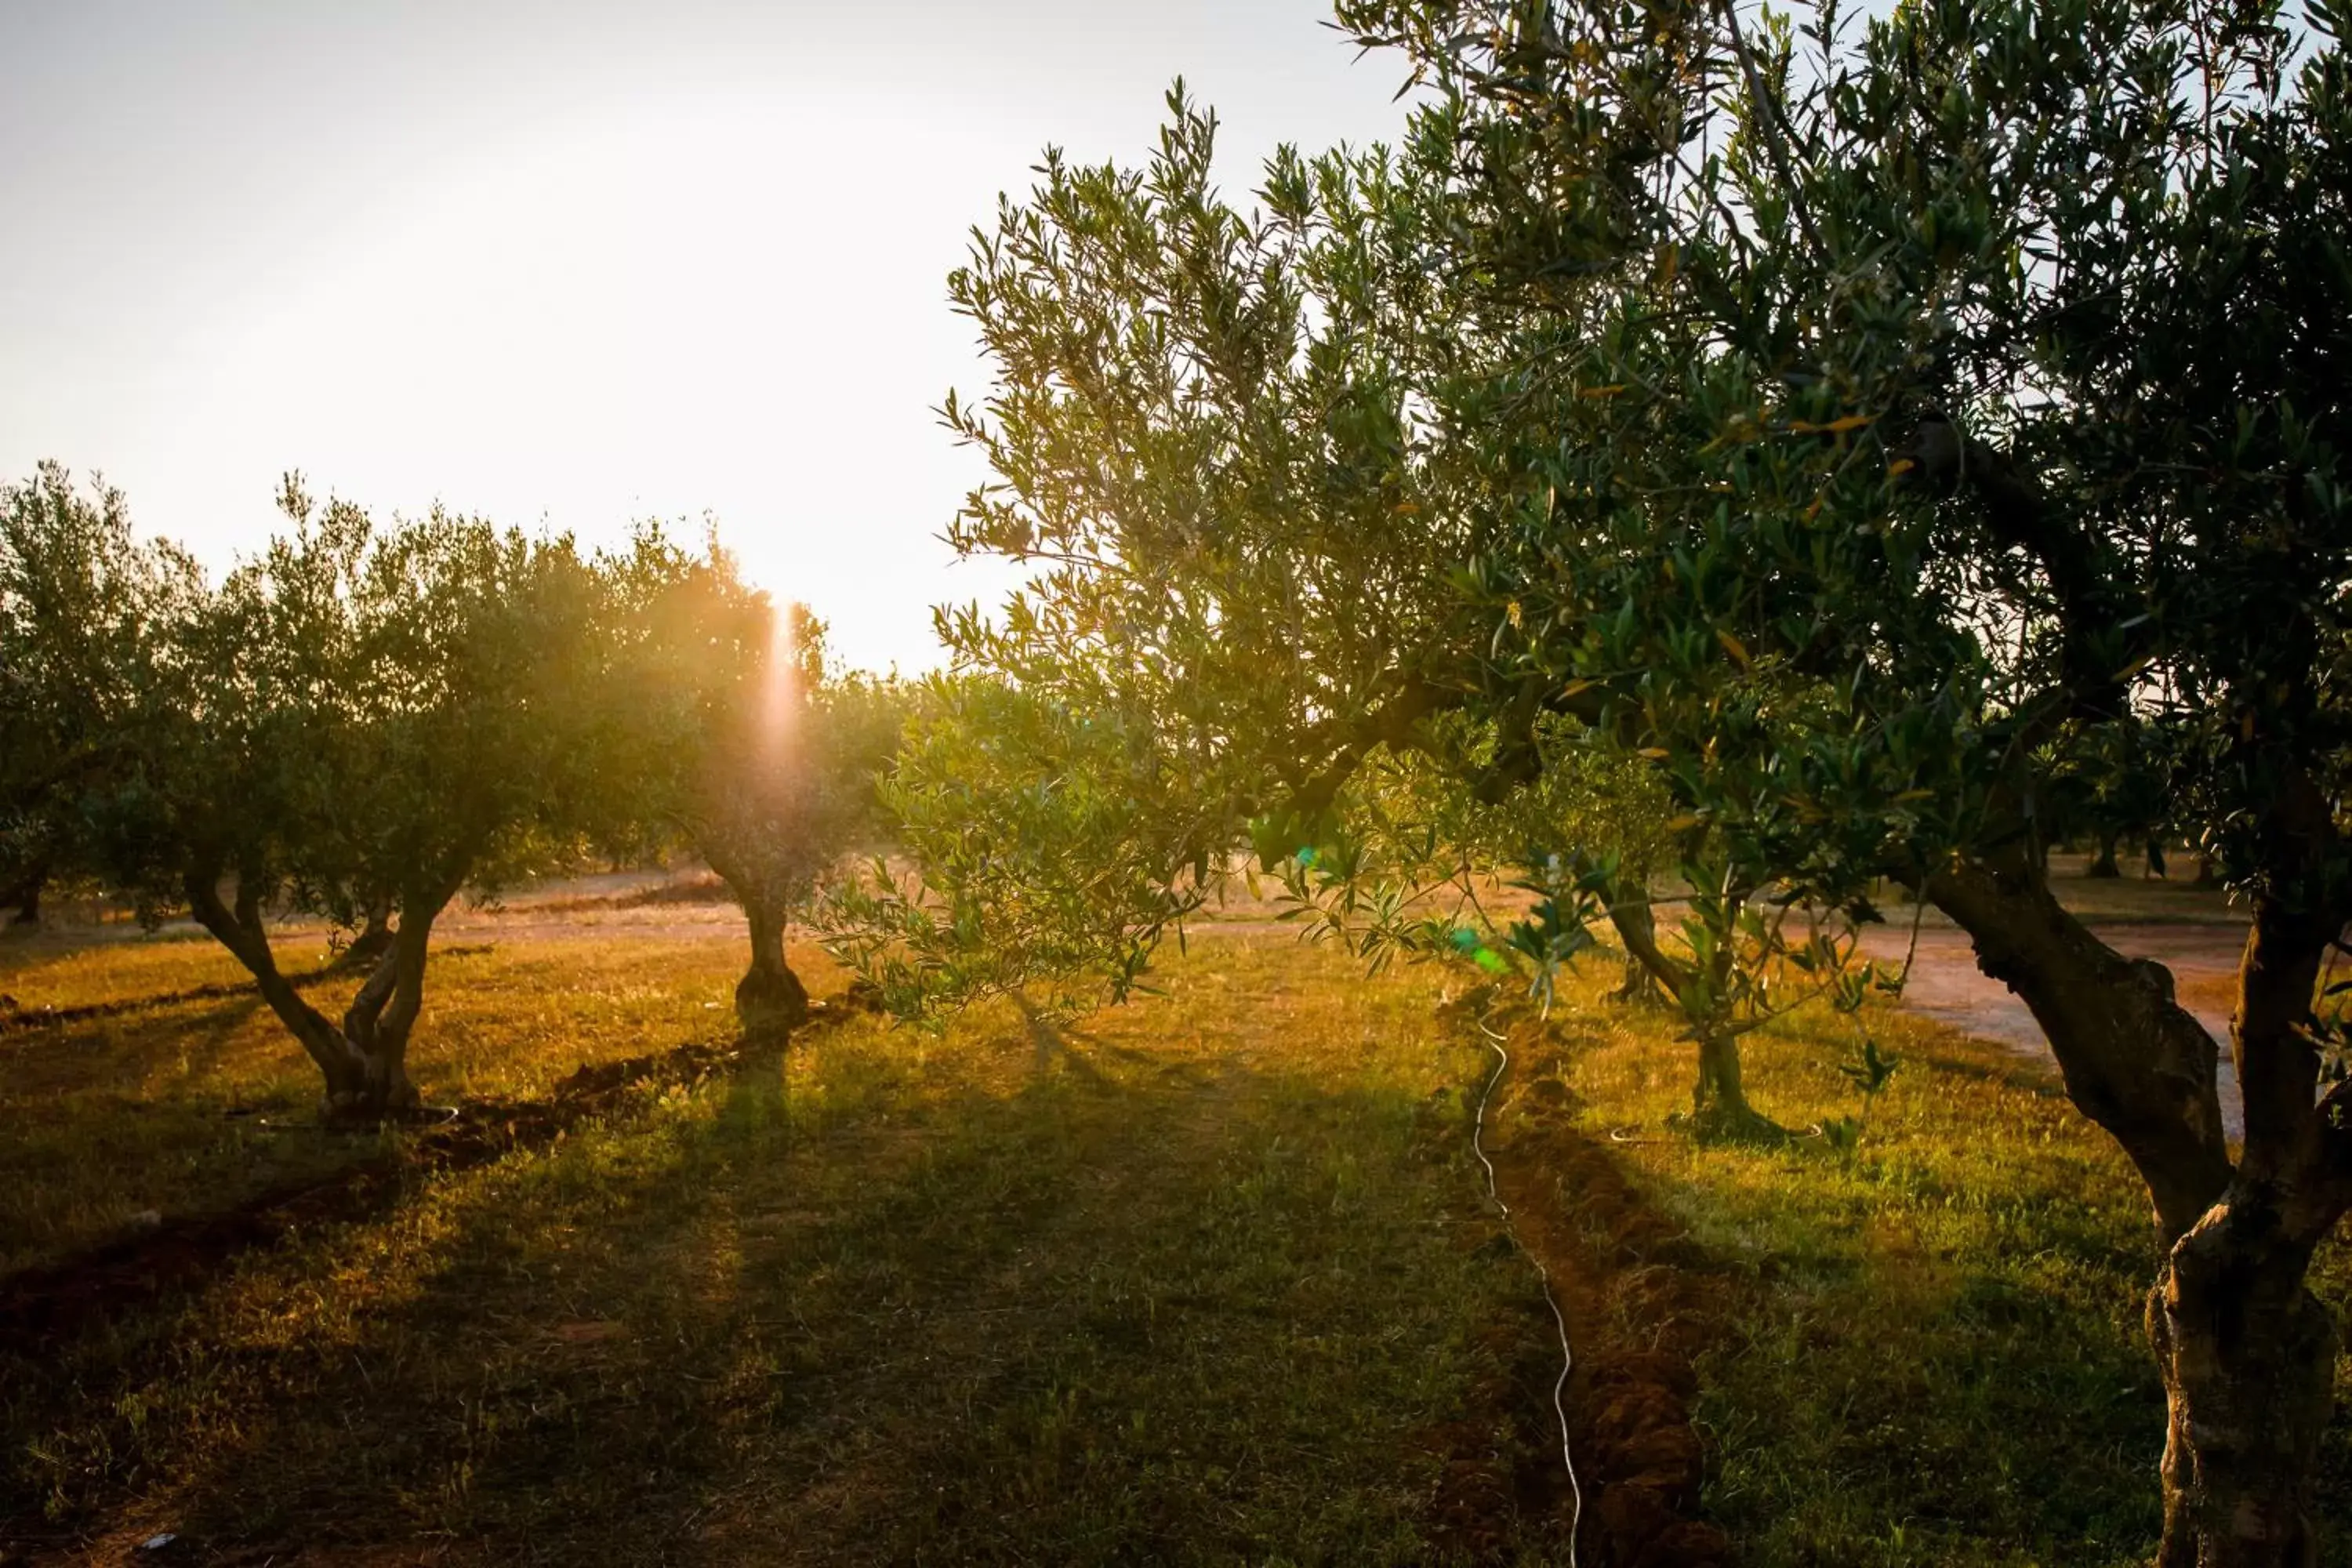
1197, 1281
45, 971
191, 1106
1202, 1279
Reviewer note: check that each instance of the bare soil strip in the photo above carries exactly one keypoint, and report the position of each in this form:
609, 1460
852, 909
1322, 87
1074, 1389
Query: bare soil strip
1632, 1287
1946, 985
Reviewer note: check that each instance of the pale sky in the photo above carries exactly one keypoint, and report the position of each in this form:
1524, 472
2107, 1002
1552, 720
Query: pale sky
575, 264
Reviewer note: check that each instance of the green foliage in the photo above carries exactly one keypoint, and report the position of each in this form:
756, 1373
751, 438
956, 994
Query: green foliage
1255, 458
767, 761
81, 602
1868, 1070
1829, 366
1036, 831
1763, 400
1892, 431
358, 718
362, 710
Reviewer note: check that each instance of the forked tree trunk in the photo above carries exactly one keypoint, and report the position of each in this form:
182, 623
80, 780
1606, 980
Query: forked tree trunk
379, 1022
770, 996
362, 1061
2246, 1353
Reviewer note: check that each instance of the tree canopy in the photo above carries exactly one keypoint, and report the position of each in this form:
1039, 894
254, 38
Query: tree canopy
82, 603
1858, 422
359, 718
770, 760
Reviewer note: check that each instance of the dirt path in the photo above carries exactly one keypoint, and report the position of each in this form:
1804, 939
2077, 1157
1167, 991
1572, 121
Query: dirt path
1946, 985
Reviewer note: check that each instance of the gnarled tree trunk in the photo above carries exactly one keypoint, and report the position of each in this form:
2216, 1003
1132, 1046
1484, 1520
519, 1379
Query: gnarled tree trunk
770, 996
379, 1019
2248, 1357
373, 941
2246, 1353
363, 1060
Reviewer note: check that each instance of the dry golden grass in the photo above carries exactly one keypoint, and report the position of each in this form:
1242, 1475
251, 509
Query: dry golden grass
1196, 1281
191, 1105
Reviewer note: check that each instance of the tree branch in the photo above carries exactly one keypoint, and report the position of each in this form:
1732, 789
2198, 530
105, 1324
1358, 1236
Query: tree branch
2018, 513
2133, 1059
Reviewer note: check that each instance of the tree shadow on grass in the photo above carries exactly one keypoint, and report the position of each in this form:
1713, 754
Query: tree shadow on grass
1118, 1304
855, 1315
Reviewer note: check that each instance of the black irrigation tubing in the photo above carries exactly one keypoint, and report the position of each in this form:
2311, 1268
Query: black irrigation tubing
1543, 1277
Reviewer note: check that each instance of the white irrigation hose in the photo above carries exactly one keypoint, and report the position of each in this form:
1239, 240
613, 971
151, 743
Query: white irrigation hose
1567, 1355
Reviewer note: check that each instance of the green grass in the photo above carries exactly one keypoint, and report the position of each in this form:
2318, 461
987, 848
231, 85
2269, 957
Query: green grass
1932, 1352
1205, 1279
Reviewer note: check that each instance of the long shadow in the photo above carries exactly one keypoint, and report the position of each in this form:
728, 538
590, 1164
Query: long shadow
49, 1303
27, 1020
1982, 1401
1076, 1313
1076, 1318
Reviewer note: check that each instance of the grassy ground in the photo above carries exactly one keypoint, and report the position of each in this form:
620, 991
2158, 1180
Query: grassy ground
1203, 1279
1929, 1353
195, 1102
1199, 1282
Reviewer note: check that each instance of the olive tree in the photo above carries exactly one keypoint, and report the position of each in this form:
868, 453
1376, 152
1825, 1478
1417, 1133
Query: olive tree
1986, 365
1859, 425
1234, 445
80, 598
1042, 844
365, 713
771, 759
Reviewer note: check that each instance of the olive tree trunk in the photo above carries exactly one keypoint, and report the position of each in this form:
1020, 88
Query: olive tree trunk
1720, 1096
2102, 864
770, 995
362, 1060
380, 1018
2246, 1353
22, 893
1637, 986
373, 941
2248, 1357
1719, 1104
